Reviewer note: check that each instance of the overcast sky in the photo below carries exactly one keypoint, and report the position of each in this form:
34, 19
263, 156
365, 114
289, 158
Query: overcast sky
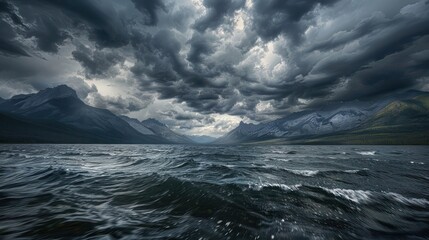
202, 66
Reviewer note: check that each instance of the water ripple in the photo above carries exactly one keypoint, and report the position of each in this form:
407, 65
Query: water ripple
213, 192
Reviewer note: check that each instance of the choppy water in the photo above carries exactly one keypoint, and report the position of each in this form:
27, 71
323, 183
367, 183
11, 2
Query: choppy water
213, 192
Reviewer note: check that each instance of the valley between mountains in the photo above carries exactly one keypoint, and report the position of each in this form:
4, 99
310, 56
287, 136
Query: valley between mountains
57, 115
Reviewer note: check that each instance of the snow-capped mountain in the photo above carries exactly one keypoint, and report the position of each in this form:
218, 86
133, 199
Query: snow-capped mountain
296, 125
329, 120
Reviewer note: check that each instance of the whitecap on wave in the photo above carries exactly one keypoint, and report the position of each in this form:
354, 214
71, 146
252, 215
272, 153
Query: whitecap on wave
367, 153
352, 171
357, 196
362, 196
285, 187
305, 173
408, 201
311, 173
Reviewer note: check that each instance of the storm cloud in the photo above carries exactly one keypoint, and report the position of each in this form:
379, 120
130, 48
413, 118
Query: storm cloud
204, 65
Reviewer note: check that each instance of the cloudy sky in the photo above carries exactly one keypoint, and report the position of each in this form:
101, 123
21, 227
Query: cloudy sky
202, 66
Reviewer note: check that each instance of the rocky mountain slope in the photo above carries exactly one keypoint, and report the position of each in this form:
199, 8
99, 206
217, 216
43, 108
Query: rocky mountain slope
405, 114
58, 115
162, 130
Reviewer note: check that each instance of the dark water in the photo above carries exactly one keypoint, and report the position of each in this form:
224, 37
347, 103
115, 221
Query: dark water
211, 192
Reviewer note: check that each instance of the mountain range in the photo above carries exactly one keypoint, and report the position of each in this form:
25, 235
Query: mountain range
396, 119
57, 115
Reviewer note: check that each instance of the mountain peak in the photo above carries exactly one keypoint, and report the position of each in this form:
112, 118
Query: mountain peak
59, 91
243, 124
164, 131
153, 121
27, 101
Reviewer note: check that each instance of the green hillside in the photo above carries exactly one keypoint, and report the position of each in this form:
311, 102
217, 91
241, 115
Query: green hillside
400, 122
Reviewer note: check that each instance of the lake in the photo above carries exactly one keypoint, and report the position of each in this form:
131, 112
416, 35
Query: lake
214, 192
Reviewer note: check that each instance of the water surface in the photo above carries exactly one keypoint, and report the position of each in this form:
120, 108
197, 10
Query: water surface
214, 192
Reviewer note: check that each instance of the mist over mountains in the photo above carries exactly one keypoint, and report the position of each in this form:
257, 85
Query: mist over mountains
57, 115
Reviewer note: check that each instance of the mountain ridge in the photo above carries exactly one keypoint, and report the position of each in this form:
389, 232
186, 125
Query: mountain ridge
61, 107
162, 130
346, 120
201, 139
57, 115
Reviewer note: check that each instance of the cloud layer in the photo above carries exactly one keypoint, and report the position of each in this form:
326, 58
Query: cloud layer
204, 65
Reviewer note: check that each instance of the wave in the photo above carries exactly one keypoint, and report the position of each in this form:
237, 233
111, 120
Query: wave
351, 171
305, 173
421, 163
71, 154
408, 201
311, 173
17, 155
283, 152
193, 192
363, 196
277, 152
367, 153
55, 174
99, 154
284, 187
188, 164
90, 154
357, 196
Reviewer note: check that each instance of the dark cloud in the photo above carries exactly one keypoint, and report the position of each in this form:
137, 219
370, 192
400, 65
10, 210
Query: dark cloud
364, 27
97, 63
43, 27
186, 120
105, 26
14, 48
101, 20
149, 9
275, 17
200, 45
9, 45
254, 59
119, 105
159, 59
388, 74
49, 36
217, 11
372, 65
10, 10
